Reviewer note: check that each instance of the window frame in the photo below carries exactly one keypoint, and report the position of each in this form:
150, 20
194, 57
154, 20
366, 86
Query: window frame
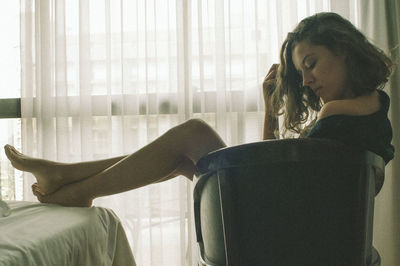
10, 108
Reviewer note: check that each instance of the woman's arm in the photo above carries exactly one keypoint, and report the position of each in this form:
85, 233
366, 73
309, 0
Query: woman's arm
270, 125
361, 105
270, 121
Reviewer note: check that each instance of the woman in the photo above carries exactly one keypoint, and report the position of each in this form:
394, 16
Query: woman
329, 73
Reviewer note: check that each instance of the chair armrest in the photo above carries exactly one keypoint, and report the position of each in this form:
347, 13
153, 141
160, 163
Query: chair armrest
291, 150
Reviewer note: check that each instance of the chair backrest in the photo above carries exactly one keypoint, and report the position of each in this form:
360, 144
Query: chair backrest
287, 202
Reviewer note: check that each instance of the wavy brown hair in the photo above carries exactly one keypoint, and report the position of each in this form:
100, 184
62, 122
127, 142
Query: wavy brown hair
368, 68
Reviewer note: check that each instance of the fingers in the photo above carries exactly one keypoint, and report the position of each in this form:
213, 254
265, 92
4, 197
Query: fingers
270, 81
274, 67
272, 72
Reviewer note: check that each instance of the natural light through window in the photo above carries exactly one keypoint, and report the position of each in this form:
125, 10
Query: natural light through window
10, 68
9, 50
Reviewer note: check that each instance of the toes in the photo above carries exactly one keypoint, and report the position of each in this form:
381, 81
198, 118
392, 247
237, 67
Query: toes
36, 192
17, 152
36, 189
7, 146
18, 160
10, 153
7, 150
38, 195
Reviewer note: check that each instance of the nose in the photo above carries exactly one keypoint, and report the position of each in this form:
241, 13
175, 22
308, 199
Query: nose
307, 78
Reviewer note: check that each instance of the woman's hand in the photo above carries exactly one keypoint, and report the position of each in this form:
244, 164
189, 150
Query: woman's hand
270, 82
270, 121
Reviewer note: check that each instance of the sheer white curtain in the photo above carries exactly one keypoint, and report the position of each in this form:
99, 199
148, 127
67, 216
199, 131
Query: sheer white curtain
380, 21
102, 78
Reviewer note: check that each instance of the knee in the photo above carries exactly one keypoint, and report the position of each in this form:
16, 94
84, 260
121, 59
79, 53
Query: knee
196, 125
195, 138
189, 130
198, 129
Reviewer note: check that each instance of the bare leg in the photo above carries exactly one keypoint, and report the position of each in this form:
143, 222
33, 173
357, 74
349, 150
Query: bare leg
52, 175
174, 153
68, 195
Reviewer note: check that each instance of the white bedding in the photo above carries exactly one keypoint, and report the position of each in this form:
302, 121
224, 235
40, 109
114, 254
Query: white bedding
46, 234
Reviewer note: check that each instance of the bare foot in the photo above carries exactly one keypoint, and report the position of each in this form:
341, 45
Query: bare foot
68, 196
47, 174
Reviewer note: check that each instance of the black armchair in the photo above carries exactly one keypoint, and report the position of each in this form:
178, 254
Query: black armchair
287, 202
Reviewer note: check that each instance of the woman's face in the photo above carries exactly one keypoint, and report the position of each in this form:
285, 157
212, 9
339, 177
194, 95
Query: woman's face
322, 70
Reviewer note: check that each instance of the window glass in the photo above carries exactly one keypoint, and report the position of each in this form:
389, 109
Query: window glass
11, 183
9, 50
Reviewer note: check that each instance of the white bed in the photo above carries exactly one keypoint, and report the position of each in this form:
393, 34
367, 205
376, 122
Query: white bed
46, 234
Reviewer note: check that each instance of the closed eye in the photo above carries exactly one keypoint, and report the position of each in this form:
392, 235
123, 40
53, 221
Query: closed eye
311, 66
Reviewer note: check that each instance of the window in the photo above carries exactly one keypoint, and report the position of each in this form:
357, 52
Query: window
10, 124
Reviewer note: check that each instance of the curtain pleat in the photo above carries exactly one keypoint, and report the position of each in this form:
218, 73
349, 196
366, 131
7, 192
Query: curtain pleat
380, 23
60, 68
103, 78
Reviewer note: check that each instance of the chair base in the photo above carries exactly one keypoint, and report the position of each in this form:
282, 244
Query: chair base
375, 260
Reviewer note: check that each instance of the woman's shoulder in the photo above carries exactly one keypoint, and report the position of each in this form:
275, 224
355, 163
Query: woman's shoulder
359, 106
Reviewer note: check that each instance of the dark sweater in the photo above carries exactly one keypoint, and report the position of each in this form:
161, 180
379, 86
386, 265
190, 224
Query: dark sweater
369, 132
